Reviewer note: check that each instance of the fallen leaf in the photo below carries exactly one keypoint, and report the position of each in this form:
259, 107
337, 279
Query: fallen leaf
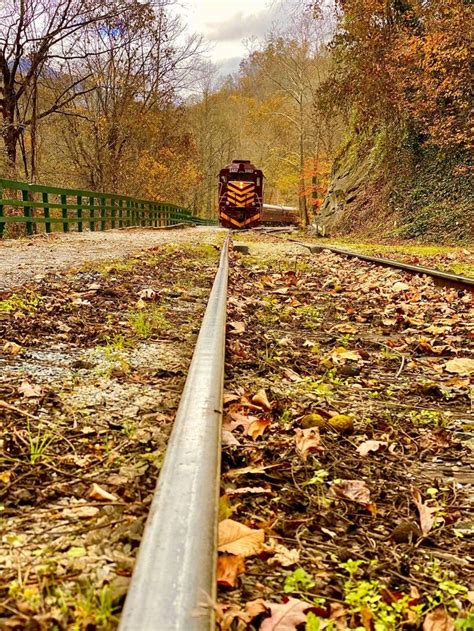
229, 397
229, 567
81, 512
140, 304
239, 420
438, 620
340, 355
239, 327
28, 390
255, 607
261, 399
148, 294
345, 328
307, 441
228, 438
256, 428
284, 556
461, 366
355, 490
12, 348
98, 493
425, 512
236, 538
370, 445
286, 616
399, 286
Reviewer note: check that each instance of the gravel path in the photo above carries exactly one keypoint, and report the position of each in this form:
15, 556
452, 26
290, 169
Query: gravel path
21, 260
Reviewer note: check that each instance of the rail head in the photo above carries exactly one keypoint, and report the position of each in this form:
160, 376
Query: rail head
173, 584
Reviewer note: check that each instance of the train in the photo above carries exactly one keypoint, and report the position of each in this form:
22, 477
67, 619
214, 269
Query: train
240, 195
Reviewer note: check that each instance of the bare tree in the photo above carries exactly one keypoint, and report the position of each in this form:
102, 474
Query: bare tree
146, 65
37, 39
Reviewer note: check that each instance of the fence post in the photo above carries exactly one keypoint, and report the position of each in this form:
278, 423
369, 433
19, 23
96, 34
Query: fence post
25, 194
103, 214
129, 205
120, 213
46, 213
79, 213
112, 213
64, 213
91, 214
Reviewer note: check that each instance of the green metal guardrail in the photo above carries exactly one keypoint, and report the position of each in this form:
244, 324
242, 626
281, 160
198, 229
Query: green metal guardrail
51, 208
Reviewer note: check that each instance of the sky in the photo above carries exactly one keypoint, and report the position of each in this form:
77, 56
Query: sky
226, 23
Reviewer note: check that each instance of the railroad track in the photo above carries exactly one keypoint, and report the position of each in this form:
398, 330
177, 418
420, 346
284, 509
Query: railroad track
174, 582
440, 278
173, 587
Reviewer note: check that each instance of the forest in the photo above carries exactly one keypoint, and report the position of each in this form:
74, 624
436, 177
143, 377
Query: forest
359, 112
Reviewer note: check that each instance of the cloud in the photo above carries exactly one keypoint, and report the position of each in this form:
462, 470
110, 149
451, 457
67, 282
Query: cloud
228, 66
240, 26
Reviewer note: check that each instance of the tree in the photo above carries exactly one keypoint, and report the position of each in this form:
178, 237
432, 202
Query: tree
38, 40
146, 64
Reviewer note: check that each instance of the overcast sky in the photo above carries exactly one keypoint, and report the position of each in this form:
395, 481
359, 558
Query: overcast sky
226, 23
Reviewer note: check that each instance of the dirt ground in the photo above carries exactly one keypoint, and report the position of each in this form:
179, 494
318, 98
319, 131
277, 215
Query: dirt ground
22, 260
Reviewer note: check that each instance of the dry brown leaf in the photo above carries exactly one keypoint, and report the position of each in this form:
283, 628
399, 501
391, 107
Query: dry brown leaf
12, 348
256, 428
238, 327
261, 399
400, 286
286, 616
340, 355
355, 490
229, 567
461, 366
370, 445
239, 420
307, 441
29, 390
284, 556
228, 438
291, 375
148, 294
98, 493
229, 397
424, 511
236, 538
438, 620
255, 607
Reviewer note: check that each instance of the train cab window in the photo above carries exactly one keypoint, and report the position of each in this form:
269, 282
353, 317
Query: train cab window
258, 181
223, 179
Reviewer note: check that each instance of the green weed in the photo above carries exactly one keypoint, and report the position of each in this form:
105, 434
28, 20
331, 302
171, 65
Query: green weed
149, 321
428, 418
26, 305
38, 444
298, 581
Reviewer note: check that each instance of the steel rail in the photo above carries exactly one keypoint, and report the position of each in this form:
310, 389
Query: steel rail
441, 278
173, 584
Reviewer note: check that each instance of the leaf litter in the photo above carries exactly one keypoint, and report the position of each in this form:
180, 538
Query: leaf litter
368, 453
85, 412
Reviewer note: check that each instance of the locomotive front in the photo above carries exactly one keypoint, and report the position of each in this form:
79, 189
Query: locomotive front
240, 195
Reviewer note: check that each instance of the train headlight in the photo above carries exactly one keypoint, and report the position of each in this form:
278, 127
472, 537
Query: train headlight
227, 203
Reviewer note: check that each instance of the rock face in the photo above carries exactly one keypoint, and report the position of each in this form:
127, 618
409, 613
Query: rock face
347, 203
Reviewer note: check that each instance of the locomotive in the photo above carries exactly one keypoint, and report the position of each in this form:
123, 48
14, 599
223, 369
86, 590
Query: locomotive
240, 195
241, 199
